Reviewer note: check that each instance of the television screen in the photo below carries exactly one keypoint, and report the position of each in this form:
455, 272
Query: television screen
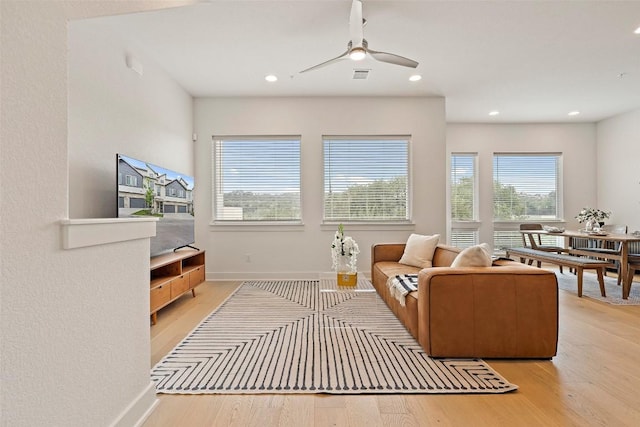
145, 189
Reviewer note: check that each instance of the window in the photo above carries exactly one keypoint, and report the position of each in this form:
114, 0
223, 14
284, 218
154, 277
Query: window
256, 179
463, 187
463, 238
366, 178
463, 200
131, 180
526, 187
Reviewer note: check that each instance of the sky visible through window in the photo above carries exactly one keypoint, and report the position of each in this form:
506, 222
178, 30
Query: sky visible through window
462, 166
245, 164
360, 162
261, 166
529, 174
519, 171
171, 175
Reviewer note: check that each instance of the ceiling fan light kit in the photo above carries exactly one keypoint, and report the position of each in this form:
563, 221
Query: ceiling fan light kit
357, 54
358, 48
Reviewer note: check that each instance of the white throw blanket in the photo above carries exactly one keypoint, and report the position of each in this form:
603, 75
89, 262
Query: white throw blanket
401, 285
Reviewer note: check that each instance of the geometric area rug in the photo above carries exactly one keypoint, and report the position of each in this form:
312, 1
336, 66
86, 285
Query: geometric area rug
292, 337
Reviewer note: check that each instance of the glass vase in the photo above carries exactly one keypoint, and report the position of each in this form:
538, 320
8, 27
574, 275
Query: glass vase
347, 274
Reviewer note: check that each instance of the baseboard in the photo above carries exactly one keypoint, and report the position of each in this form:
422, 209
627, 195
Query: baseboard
285, 275
139, 410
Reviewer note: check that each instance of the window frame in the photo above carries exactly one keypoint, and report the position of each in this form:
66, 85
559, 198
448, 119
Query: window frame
216, 173
511, 227
363, 223
130, 180
559, 188
471, 225
475, 191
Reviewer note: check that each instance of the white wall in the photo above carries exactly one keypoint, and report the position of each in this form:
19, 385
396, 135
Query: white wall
74, 323
305, 251
619, 168
576, 142
112, 109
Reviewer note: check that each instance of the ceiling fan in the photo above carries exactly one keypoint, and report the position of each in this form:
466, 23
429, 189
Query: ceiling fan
358, 48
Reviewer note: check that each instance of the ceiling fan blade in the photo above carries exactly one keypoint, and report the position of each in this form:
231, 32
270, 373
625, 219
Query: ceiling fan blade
355, 23
331, 61
392, 58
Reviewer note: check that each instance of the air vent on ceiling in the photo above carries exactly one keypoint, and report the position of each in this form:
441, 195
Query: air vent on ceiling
360, 74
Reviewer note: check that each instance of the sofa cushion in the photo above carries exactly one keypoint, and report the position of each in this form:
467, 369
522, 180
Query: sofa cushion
390, 269
419, 250
473, 256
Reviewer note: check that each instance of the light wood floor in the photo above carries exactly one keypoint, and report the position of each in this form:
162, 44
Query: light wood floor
593, 381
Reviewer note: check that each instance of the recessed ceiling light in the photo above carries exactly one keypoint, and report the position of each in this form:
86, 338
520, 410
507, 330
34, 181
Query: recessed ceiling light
637, 31
271, 78
415, 78
574, 113
494, 113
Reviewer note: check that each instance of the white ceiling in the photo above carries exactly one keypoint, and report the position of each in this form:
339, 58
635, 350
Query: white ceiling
533, 61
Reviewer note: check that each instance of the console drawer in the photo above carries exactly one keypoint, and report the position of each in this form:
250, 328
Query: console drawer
179, 286
196, 276
160, 296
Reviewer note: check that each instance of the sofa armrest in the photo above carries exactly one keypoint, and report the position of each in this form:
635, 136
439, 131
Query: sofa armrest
387, 252
505, 311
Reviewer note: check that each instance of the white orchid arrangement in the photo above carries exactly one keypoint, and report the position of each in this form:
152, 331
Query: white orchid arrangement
588, 213
344, 246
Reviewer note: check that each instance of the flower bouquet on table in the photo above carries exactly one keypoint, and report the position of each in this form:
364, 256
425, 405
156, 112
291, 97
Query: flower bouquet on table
592, 217
344, 254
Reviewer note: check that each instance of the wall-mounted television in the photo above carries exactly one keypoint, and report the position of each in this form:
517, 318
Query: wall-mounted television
145, 189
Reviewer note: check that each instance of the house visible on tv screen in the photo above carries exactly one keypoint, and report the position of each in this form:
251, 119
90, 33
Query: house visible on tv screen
145, 189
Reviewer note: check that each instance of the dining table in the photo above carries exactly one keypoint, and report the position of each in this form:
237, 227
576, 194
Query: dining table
622, 256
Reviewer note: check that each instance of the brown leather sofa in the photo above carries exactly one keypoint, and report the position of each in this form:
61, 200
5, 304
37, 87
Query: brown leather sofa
508, 310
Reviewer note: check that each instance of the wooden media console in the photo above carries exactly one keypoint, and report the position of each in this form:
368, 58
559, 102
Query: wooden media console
172, 275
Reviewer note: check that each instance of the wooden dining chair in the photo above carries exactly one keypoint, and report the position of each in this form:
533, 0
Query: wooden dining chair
608, 248
632, 267
534, 241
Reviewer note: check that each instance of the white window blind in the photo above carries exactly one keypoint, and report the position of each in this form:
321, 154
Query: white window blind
256, 179
504, 239
366, 178
463, 186
463, 238
526, 186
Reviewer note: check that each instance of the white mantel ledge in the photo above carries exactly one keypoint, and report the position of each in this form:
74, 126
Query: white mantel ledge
79, 233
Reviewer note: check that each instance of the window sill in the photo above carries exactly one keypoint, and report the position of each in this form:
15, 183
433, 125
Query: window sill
515, 225
255, 226
368, 226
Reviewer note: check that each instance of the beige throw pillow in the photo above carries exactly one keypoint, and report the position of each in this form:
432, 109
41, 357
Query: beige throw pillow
419, 250
473, 256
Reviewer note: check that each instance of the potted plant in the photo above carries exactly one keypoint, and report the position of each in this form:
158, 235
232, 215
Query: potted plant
344, 254
592, 217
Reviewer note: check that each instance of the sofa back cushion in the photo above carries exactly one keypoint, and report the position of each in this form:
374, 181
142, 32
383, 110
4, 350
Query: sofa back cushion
444, 255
